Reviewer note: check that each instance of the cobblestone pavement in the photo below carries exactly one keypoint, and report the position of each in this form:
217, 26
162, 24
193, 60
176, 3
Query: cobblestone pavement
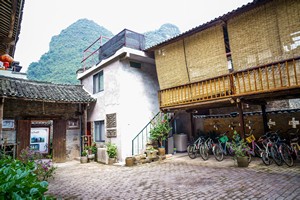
178, 177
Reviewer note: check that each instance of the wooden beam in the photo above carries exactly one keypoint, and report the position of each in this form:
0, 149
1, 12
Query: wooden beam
1, 118
192, 126
241, 118
265, 119
12, 23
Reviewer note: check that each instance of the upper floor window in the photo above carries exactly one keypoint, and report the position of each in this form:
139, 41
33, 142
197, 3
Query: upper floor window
98, 82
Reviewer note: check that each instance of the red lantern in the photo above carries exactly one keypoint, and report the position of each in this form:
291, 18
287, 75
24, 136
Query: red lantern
6, 65
6, 58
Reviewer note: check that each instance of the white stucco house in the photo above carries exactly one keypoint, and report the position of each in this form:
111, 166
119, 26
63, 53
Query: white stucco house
125, 84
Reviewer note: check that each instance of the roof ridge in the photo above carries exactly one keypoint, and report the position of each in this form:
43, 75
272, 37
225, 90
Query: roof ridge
35, 81
207, 24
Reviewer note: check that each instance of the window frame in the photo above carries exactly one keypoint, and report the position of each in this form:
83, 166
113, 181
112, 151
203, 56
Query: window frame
98, 79
101, 135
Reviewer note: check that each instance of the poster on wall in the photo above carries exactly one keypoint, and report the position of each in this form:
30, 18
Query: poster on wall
8, 124
39, 137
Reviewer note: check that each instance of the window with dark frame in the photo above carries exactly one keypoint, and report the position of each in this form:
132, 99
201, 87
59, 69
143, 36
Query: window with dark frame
98, 84
99, 131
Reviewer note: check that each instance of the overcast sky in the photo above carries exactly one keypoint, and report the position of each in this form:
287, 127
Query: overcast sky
43, 19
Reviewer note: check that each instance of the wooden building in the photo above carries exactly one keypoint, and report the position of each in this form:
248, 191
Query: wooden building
249, 56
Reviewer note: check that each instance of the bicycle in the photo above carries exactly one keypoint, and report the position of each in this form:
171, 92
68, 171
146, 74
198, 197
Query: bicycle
289, 151
294, 143
193, 149
271, 149
254, 148
205, 147
222, 147
275, 152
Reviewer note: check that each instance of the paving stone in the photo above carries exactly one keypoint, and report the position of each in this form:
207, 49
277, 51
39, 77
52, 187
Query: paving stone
177, 177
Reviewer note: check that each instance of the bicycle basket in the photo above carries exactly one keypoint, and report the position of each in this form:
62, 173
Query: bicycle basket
223, 139
250, 138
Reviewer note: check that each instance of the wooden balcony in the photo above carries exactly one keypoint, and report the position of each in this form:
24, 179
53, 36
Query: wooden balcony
281, 76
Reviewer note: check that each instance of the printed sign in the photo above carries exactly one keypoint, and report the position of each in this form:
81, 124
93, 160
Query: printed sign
39, 139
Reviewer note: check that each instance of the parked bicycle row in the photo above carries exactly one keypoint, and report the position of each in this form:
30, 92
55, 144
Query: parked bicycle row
269, 147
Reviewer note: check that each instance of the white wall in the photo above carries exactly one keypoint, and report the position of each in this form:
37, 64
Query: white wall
139, 100
129, 92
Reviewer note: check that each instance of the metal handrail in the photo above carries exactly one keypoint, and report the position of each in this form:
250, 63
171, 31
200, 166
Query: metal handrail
143, 131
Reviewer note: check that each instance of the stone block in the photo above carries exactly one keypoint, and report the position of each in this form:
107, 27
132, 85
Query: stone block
102, 155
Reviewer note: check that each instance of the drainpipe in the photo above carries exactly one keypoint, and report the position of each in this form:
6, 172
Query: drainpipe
81, 127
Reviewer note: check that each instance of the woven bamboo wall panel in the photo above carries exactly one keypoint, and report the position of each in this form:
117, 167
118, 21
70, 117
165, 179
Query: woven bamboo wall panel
288, 18
253, 37
170, 65
205, 54
265, 34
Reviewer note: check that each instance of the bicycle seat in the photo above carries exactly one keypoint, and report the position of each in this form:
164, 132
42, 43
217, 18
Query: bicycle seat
249, 134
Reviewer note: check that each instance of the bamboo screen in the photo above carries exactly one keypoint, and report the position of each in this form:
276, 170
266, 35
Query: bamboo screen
288, 18
205, 54
170, 65
265, 34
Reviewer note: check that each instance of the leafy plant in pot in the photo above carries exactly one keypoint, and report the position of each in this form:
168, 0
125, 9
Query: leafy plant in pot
83, 158
160, 131
112, 151
240, 149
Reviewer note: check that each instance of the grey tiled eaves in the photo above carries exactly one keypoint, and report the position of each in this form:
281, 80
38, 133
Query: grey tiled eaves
43, 91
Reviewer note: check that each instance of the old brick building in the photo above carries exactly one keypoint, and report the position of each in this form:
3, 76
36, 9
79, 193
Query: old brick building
28, 104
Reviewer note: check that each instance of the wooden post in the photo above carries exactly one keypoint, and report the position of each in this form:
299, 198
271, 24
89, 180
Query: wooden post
1, 118
192, 126
84, 120
241, 117
265, 119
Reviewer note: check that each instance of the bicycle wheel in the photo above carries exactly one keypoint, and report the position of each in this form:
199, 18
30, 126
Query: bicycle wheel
204, 151
286, 155
248, 154
218, 152
192, 151
266, 158
257, 152
276, 156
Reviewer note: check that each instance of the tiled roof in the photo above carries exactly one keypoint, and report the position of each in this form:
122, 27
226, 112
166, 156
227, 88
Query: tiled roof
211, 23
43, 91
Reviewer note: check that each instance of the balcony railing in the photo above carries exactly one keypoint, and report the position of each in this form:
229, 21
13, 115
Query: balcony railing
266, 78
108, 47
125, 38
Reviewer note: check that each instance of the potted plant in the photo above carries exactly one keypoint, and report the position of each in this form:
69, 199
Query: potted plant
94, 150
112, 152
240, 149
83, 158
160, 131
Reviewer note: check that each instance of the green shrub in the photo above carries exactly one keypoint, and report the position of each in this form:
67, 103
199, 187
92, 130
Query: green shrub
112, 150
18, 181
160, 129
